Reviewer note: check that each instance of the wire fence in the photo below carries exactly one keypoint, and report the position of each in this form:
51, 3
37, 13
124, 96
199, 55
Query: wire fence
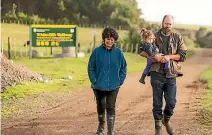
14, 48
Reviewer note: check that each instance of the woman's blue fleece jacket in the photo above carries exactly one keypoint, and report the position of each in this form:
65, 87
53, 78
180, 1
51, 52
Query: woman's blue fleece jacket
107, 68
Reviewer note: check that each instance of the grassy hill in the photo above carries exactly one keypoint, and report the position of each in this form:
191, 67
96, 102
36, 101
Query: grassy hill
21, 34
186, 26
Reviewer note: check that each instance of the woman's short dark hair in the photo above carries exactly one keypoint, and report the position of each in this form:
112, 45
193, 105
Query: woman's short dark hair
110, 32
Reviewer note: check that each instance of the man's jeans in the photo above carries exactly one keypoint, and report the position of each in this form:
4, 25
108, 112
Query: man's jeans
163, 86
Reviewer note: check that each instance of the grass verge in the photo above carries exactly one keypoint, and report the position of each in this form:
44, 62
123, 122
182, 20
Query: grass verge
57, 69
206, 102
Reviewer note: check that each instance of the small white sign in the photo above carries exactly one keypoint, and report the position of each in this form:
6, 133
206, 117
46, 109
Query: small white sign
72, 30
34, 30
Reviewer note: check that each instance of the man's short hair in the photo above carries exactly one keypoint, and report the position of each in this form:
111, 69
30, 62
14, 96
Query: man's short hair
166, 16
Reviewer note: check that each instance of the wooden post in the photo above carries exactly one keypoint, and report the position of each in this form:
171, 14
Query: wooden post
25, 48
9, 56
51, 50
76, 42
90, 48
30, 45
128, 50
14, 43
132, 48
30, 51
94, 41
21, 48
136, 49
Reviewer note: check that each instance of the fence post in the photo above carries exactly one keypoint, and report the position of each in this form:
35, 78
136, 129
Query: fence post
14, 44
131, 48
51, 50
94, 42
30, 50
128, 47
136, 49
90, 48
9, 48
25, 47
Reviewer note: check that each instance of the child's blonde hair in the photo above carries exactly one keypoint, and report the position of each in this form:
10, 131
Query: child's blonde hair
145, 34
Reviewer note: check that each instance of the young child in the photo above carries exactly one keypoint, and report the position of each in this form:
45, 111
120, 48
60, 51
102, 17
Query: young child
151, 49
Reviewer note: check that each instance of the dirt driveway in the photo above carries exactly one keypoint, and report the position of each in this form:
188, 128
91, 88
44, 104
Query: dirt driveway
77, 114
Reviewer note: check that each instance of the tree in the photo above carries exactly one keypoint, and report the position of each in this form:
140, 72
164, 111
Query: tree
111, 12
11, 14
206, 41
201, 33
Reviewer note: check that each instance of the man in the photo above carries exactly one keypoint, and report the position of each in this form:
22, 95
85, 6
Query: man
172, 47
107, 70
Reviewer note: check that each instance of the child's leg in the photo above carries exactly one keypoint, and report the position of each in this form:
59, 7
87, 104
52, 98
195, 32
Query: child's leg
148, 66
167, 65
142, 79
168, 72
146, 70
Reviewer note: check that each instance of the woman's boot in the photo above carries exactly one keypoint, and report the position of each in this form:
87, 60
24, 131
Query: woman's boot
110, 124
101, 119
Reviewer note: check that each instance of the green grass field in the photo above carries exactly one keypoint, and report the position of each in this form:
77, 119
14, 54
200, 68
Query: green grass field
206, 103
19, 34
191, 27
186, 26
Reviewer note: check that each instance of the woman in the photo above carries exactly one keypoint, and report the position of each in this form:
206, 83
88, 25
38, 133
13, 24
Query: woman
107, 71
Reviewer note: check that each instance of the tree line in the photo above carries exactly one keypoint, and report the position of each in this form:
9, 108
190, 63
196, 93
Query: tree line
204, 38
120, 13
112, 12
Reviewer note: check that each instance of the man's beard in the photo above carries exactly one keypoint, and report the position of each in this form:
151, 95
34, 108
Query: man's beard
166, 30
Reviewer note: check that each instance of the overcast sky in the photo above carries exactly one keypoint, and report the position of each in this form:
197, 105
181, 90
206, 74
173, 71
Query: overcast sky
184, 11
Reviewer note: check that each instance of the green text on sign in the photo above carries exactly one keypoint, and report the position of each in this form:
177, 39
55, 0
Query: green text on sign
53, 35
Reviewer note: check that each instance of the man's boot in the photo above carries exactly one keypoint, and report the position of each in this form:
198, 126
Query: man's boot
142, 79
167, 124
158, 127
101, 119
110, 124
